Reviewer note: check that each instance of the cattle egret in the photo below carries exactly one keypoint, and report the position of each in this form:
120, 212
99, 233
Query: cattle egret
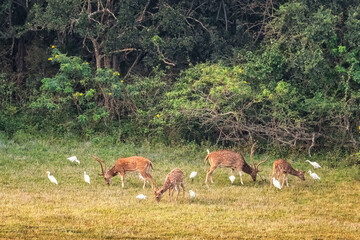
192, 194
208, 151
74, 159
314, 175
51, 178
141, 197
276, 183
86, 178
315, 164
232, 178
192, 175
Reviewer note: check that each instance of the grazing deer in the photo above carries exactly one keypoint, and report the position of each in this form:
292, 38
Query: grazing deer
233, 160
173, 181
283, 168
128, 164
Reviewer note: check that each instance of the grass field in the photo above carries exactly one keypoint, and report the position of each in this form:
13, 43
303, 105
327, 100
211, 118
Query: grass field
31, 207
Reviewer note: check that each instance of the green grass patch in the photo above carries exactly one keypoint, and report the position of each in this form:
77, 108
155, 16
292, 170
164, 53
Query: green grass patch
33, 208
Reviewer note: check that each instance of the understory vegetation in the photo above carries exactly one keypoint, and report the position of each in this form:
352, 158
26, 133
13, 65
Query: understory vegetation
283, 73
33, 207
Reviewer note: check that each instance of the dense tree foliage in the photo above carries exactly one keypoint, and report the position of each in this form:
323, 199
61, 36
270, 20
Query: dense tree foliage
229, 71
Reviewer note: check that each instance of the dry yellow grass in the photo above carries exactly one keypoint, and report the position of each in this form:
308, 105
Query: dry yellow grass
33, 208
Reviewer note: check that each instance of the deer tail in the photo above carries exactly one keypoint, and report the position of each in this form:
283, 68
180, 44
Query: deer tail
147, 169
206, 158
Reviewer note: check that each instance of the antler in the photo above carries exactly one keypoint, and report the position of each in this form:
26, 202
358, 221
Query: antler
257, 166
252, 154
101, 162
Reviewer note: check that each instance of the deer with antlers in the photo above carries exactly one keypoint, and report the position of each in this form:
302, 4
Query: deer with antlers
173, 181
233, 160
129, 164
283, 168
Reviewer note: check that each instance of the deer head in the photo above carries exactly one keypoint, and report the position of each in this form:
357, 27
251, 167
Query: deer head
301, 174
255, 170
158, 194
107, 174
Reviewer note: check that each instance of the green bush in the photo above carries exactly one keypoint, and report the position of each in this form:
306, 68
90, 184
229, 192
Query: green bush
77, 99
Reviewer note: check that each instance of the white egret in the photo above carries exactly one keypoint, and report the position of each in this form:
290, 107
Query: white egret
192, 194
315, 164
276, 183
208, 151
192, 175
51, 178
314, 175
232, 178
74, 159
141, 197
86, 178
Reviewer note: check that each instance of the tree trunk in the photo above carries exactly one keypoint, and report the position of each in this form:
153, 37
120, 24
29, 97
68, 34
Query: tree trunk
98, 57
20, 62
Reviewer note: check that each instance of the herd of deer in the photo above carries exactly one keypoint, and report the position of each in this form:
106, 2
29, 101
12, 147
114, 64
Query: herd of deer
175, 179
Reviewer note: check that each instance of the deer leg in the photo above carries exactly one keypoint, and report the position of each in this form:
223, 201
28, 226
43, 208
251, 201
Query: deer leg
272, 175
144, 183
287, 183
148, 176
209, 174
172, 193
169, 194
279, 175
284, 176
178, 191
241, 178
144, 177
183, 187
122, 176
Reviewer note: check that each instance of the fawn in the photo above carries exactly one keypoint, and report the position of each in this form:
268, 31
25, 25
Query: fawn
173, 181
283, 168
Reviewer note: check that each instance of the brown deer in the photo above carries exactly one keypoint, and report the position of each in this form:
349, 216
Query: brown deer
233, 160
128, 164
173, 181
283, 168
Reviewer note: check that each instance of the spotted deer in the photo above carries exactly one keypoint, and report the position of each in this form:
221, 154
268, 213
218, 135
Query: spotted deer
283, 168
233, 160
129, 164
173, 181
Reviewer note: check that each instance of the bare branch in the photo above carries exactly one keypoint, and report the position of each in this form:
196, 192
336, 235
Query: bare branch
102, 11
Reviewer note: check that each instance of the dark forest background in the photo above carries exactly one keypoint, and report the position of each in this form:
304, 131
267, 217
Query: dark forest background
283, 73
